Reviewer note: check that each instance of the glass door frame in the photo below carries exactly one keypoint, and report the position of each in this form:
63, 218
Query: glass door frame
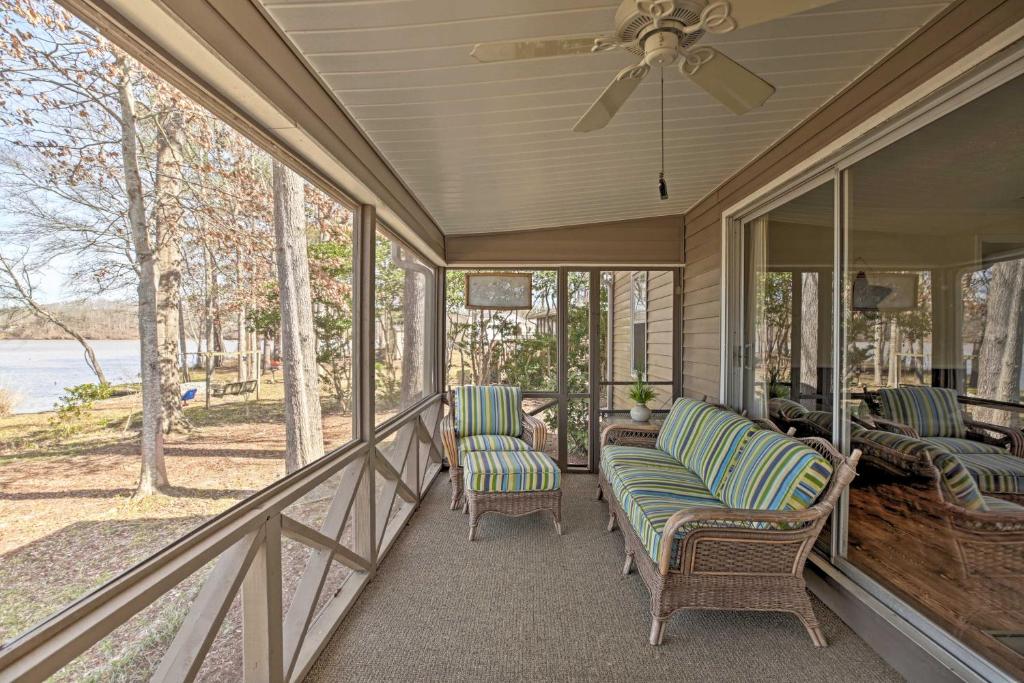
989, 69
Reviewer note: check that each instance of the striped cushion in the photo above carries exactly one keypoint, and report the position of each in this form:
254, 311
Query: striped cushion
905, 444
491, 409
775, 472
616, 458
704, 438
650, 495
995, 472
993, 504
932, 411
491, 442
951, 445
788, 409
822, 418
957, 483
510, 471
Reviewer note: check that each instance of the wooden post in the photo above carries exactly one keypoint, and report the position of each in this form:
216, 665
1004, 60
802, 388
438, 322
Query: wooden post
363, 512
262, 651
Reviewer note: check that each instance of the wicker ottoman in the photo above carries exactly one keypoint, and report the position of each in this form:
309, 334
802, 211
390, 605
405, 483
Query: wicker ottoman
511, 483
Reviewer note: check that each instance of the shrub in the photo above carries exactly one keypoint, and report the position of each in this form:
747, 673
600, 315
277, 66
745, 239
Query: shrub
7, 401
76, 402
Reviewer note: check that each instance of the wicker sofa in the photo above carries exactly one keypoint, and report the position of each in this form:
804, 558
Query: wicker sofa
486, 418
741, 507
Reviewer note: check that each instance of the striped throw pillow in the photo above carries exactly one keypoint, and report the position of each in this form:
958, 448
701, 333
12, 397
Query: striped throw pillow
703, 438
932, 411
958, 484
493, 409
775, 472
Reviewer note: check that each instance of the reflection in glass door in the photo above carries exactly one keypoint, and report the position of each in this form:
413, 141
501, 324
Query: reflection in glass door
787, 354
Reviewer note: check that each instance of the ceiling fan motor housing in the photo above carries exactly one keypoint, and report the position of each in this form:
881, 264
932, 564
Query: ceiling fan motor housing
658, 45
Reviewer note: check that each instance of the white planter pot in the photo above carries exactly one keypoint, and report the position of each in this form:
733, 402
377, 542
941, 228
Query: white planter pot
640, 413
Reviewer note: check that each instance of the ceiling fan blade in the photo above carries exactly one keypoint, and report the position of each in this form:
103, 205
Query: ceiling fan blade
725, 80
612, 99
749, 12
532, 49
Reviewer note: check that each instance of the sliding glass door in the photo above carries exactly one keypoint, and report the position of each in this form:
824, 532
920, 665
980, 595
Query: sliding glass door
890, 289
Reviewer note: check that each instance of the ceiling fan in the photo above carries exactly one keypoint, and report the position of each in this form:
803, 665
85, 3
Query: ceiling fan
663, 32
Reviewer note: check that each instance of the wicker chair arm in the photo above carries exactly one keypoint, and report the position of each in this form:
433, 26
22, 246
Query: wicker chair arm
893, 426
450, 441
535, 432
737, 521
764, 423
1014, 437
643, 435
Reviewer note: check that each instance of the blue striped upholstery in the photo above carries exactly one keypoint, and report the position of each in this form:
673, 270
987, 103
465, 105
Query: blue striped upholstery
649, 495
510, 471
931, 411
951, 445
493, 409
615, 458
905, 444
775, 472
957, 483
995, 472
491, 442
993, 504
704, 438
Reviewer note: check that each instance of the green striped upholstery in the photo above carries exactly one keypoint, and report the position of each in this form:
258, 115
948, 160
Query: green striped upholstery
704, 438
493, 409
491, 442
957, 483
931, 411
821, 418
951, 445
616, 458
650, 495
993, 504
775, 472
995, 472
510, 471
791, 410
905, 444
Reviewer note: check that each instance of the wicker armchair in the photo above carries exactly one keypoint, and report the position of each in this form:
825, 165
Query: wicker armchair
729, 558
987, 433
535, 434
987, 536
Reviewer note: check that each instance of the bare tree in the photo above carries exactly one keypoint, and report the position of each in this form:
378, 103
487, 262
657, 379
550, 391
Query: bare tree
303, 429
16, 286
999, 361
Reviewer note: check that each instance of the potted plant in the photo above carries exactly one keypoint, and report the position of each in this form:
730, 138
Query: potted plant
640, 393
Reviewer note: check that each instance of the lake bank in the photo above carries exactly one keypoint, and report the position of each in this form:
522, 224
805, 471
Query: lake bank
36, 371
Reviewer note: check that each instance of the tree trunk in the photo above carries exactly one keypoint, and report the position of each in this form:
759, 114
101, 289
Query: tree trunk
153, 476
999, 360
183, 341
167, 214
304, 435
879, 350
894, 354
809, 357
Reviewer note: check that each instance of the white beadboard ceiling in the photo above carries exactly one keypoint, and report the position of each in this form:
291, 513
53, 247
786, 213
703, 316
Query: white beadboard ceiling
488, 147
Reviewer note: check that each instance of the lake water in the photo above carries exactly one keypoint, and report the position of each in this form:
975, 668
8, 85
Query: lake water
37, 371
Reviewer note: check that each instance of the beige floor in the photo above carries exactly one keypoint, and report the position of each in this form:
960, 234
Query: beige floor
521, 603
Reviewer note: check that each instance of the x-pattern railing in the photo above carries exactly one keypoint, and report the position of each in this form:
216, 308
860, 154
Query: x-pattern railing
278, 645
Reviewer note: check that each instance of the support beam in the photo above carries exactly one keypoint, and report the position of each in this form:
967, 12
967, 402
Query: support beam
262, 652
636, 242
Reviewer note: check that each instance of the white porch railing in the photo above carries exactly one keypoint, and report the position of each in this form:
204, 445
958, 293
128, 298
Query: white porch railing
377, 488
